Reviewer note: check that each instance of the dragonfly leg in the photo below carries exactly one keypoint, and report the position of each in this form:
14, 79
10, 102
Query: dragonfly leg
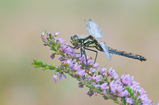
79, 53
76, 47
83, 52
85, 57
93, 51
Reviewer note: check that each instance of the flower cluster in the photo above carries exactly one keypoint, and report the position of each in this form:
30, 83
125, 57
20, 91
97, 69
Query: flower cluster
104, 82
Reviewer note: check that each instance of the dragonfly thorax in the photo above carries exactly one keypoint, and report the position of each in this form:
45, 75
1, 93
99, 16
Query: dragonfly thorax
74, 40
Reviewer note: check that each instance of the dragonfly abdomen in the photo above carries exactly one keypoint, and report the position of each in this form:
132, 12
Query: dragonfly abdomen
126, 54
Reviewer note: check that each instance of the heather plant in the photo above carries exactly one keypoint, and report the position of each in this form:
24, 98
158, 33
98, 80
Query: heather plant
122, 90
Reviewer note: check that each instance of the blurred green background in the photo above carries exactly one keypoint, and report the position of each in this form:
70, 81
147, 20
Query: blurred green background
132, 26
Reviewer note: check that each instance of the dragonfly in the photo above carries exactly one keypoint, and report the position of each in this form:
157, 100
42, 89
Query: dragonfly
91, 41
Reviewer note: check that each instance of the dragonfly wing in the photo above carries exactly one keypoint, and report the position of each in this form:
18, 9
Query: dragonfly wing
106, 51
88, 28
94, 29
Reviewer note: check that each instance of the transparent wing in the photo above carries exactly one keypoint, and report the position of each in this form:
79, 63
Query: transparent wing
94, 29
106, 51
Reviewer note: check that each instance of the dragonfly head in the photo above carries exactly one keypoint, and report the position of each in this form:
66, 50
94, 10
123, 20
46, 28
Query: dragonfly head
74, 40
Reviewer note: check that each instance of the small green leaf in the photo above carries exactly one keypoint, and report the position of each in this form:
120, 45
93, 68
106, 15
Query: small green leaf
105, 97
50, 36
108, 92
95, 87
40, 63
123, 101
54, 48
83, 77
46, 31
130, 91
88, 82
112, 79
45, 68
36, 66
58, 46
67, 65
35, 61
58, 69
78, 79
52, 67
116, 101
89, 86
100, 89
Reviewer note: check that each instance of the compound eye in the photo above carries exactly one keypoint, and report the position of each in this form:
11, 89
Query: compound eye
74, 37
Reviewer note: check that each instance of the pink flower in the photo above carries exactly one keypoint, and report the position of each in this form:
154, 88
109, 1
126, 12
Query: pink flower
47, 35
145, 100
104, 86
135, 85
83, 59
96, 65
90, 93
52, 56
129, 101
123, 93
92, 69
97, 86
68, 61
112, 73
61, 40
60, 58
113, 86
81, 73
80, 85
90, 62
96, 77
76, 66
43, 36
115, 76
61, 76
102, 70
57, 33
67, 49
119, 88
126, 79
55, 78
